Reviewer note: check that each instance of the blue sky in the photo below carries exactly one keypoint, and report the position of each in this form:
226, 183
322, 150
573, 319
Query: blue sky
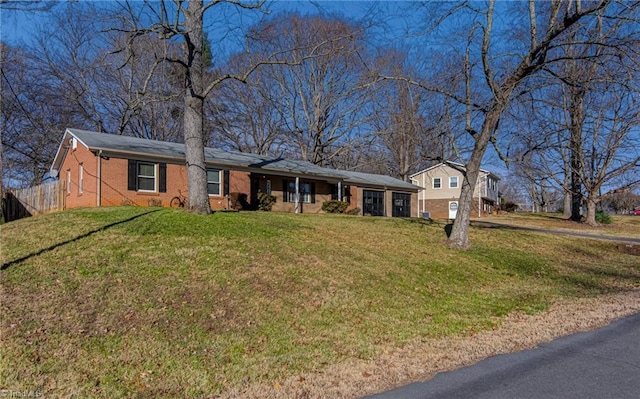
18, 27
22, 27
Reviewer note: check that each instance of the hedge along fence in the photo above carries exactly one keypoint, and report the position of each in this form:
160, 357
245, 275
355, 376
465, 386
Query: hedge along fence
32, 201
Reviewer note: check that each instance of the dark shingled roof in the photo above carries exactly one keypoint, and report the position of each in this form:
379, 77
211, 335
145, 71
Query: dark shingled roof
132, 146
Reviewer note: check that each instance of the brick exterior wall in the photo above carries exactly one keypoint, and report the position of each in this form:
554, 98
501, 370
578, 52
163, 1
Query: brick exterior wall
115, 182
436, 200
354, 199
439, 208
323, 191
73, 197
240, 182
114, 188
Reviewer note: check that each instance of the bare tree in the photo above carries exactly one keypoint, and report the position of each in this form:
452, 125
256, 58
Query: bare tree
77, 76
243, 116
544, 35
322, 100
582, 122
140, 91
610, 150
538, 183
598, 151
71, 56
28, 5
184, 25
505, 67
403, 132
599, 85
621, 200
408, 125
31, 119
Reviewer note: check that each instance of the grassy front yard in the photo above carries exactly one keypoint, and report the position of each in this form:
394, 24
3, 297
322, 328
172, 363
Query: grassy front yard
140, 302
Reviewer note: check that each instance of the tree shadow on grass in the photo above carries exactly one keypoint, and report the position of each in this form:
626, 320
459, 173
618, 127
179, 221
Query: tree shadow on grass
60, 244
446, 224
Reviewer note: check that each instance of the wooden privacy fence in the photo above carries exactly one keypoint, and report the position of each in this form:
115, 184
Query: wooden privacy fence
37, 200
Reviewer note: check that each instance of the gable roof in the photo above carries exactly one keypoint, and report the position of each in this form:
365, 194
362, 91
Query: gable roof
130, 147
454, 165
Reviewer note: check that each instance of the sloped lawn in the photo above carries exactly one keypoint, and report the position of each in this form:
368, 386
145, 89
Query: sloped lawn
144, 302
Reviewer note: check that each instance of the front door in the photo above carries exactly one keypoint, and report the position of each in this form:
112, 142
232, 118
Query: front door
453, 209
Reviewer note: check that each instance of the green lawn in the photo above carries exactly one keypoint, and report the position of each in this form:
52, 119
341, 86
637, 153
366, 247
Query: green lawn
144, 302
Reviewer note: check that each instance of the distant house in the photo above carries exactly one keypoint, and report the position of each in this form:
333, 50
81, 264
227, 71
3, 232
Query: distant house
101, 169
442, 184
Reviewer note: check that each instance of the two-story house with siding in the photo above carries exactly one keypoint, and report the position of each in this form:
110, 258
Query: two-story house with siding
442, 185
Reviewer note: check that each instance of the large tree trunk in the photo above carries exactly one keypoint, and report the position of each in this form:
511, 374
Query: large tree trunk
576, 112
591, 212
459, 237
194, 110
566, 205
531, 62
194, 153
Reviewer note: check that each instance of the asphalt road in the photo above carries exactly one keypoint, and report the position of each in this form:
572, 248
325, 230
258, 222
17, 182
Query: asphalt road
599, 364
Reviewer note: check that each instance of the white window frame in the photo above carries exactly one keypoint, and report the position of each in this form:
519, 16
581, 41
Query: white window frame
451, 179
305, 192
80, 178
304, 195
290, 193
155, 176
433, 183
219, 182
68, 181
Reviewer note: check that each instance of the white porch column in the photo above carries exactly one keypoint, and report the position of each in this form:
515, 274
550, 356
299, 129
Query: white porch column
423, 206
479, 196
339, 190
297, 204
99, 181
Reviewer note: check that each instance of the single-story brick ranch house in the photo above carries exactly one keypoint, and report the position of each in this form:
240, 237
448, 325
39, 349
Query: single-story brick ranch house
100, 169
442, 186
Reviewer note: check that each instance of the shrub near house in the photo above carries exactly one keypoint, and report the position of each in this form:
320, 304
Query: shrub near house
265, 201
335, 206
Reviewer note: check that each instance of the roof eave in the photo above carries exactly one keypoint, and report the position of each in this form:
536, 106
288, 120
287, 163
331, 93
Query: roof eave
426, 170
61, 154
177, 155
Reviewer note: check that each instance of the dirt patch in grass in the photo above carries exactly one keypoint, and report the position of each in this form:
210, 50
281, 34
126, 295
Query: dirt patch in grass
421, 360
630, 249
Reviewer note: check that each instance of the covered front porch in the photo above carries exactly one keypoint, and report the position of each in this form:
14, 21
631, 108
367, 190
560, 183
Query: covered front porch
300, 194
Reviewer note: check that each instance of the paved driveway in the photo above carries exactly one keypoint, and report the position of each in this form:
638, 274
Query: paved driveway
488, 224
599, 364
